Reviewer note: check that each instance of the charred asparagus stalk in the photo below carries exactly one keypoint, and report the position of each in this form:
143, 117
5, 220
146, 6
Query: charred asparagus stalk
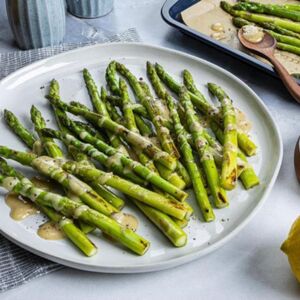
39, 123
229, 165
19, 129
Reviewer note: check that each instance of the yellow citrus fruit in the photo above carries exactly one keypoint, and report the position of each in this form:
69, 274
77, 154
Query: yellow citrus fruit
291, 247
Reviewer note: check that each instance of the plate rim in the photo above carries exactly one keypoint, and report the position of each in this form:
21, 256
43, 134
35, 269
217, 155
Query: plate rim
161, 265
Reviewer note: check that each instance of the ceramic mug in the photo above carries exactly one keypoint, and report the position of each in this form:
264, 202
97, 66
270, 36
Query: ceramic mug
37, 23
90, 8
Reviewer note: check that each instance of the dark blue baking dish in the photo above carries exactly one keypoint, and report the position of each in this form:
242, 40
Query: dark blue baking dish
171, 13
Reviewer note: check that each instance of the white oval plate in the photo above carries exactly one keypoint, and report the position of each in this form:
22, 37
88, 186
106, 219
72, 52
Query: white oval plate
27, 86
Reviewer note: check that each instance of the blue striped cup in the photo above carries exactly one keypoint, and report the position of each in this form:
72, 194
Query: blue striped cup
90, 8
37, 23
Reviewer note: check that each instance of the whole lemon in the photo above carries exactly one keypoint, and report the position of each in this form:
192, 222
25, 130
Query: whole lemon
291, 247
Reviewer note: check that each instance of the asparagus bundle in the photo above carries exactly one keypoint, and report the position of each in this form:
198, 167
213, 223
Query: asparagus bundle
131, 124
148, 211
154, 215
186, 151
114, 155
199, 189
116, 158
152, 177
166, 225
159, 116
110, 197
147, 108
247, 174
286, 32
131, 137
13, 122
268, 9
49, 167
139, 125
73, 209
147, 101
169, 206
209, 110
206, 156
54, 168
72, 232
257, 18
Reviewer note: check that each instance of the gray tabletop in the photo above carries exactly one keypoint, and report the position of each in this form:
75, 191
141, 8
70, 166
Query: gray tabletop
251, 266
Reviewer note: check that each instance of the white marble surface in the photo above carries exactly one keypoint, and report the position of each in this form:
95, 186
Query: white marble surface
251, 266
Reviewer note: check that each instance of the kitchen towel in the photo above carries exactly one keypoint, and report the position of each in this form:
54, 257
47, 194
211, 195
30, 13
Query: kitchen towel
18, 266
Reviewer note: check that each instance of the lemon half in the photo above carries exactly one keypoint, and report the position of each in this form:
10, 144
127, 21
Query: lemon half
291, 247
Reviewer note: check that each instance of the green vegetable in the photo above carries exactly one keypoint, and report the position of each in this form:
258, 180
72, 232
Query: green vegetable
268, 9
229, 165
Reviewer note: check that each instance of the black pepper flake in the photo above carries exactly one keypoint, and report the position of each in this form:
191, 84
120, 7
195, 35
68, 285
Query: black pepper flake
42, 87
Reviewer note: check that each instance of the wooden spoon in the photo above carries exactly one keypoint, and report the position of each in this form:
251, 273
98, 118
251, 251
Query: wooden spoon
266, 48
297, 159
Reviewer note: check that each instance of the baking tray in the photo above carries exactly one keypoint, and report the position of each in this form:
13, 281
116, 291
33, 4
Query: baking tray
171, 13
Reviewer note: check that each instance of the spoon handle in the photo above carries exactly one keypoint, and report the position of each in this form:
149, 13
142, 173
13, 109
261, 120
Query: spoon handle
286, 78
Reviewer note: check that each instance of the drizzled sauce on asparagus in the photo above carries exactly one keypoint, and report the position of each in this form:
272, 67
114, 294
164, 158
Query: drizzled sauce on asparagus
50, 231
19, 207
44, 184
243, 123
126, 220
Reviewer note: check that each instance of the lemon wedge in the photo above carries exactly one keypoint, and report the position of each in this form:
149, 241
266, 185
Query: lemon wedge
291, 247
